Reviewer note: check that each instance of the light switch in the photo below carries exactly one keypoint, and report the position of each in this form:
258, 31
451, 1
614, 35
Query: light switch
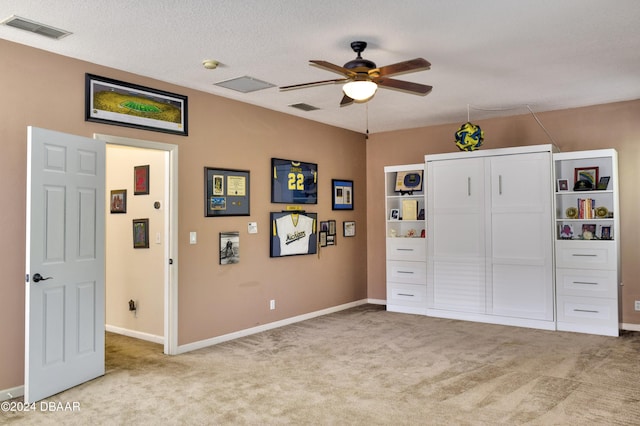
193, 238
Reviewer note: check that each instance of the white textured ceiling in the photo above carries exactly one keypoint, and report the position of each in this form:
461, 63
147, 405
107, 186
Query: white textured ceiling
496, 55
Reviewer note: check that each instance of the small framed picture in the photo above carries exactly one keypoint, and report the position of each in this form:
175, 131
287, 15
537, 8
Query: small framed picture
586, 174
563, 184
588, 231
332, 227
324, 226
342, 195
322, 236
140, 233
605, 233
603, 183
394, 214
141, 180
566, 232
229, 248
349, 228
118, 201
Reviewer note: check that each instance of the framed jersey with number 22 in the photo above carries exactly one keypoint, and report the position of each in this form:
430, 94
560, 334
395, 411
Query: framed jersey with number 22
294, 182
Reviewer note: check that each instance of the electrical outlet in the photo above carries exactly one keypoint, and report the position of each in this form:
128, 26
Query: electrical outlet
272, 304
637, 305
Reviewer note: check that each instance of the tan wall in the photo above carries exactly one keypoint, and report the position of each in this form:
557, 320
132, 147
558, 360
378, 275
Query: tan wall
603, 126
46, 90
135, 274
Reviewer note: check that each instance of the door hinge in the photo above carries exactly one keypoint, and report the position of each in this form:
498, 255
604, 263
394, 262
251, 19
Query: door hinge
170, 261
26, 278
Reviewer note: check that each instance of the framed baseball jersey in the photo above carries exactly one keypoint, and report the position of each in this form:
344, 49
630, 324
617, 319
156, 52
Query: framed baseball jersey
294, 182
293, 233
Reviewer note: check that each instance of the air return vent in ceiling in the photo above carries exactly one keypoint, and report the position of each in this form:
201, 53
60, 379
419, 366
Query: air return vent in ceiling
35, 27
304, 107
244, 84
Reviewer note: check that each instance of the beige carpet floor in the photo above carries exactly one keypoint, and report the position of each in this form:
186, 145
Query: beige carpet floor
366, 366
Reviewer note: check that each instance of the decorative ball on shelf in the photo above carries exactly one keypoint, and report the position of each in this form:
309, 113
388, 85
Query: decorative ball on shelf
469, 137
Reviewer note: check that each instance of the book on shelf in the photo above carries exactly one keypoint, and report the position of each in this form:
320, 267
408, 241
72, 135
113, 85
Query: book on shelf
409, 209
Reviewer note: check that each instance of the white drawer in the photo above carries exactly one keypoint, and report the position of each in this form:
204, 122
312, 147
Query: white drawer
414, 249
407, 272
589, 283
586, 254
588, 311
407, 294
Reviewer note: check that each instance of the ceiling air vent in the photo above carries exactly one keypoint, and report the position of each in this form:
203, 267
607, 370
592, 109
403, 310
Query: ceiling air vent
304, 107
244, 84
35, 27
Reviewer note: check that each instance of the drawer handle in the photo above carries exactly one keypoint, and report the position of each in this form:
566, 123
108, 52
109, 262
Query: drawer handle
584, 255
405, 272
404, 249
406, 294
586, 310
584, 282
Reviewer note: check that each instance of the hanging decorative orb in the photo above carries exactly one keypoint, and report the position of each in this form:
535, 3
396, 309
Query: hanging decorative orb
469, 137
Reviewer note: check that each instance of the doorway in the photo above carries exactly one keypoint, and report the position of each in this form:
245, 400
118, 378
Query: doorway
154, 311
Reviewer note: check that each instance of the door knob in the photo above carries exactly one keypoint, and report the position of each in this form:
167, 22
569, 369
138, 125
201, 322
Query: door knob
37, 278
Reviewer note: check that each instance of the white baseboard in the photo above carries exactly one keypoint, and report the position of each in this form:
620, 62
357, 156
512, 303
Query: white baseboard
135, 334
377, 301
254, 330
631, 327
11, 393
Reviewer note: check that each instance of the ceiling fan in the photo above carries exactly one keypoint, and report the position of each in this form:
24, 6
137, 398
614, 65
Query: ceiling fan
362, 77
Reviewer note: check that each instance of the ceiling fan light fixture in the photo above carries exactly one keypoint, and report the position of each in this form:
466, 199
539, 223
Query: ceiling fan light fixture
360, 91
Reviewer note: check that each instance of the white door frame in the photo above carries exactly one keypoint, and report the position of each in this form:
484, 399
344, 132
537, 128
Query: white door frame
171, 230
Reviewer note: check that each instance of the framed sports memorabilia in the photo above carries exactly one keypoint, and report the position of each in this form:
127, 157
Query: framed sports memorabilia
409, 181
226, 192
112, 101
293, 233
349, 228
342, 194
294, 182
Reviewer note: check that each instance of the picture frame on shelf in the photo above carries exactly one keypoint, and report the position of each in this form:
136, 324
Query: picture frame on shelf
118, 201
141, 180
588, 174
226, 192
349, 228
603, 183
566, 231
588, 231
563, 184
140, 233
115, 102
341, 194
605, 233
409, 181
394, 214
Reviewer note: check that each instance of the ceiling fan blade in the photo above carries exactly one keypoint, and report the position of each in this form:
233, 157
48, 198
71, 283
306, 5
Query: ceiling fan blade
346, 100
406, 86
314, 83
418, 64
332, 67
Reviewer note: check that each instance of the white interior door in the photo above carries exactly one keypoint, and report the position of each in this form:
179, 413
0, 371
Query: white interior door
64, 324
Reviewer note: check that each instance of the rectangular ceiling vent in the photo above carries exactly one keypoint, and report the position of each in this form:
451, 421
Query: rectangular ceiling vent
304, 107
244, 84
35, 27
